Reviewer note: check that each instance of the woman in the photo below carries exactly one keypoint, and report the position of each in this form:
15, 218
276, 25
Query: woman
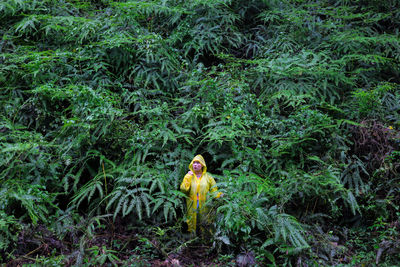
196, 184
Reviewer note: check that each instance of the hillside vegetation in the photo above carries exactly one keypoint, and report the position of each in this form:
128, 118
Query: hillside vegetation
294, 104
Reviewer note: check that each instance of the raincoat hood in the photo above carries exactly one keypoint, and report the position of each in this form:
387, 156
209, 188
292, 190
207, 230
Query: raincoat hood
200, 159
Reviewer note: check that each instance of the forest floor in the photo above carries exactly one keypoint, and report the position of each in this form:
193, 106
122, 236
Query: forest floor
113, 246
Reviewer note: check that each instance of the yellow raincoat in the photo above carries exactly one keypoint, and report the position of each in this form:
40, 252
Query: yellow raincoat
197, 189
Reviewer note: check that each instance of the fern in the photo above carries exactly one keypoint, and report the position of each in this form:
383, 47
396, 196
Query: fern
9, 229
106, 102
288, 229
352, 176
34, 199
88, 190
143, 195
247, 210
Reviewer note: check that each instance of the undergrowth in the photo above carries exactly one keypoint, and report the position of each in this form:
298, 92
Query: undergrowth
294, 104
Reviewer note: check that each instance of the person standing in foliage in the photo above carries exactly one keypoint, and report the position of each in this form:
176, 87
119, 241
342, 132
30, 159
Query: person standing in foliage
196, 184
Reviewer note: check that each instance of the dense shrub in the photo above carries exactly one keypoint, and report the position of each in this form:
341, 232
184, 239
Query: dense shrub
294, 104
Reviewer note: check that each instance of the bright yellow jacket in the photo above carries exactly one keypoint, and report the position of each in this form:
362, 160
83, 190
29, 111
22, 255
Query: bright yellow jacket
196, 190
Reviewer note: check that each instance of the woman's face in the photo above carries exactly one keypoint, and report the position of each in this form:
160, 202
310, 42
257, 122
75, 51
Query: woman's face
197, 166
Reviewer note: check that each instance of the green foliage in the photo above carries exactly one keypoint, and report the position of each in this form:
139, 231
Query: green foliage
101, 255
140, 191
311, 188
245, 210
104, 103
133, 193
35, 201
380, 102
9, 228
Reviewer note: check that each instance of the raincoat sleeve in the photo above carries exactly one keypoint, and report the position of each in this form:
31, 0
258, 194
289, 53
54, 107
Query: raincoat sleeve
187, 180
213, 188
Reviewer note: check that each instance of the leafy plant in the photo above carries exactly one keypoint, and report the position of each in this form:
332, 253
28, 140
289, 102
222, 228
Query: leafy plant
294, 104
9, 228
102, 255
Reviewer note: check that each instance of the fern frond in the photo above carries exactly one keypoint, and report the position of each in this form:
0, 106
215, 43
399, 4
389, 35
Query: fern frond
139, 207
